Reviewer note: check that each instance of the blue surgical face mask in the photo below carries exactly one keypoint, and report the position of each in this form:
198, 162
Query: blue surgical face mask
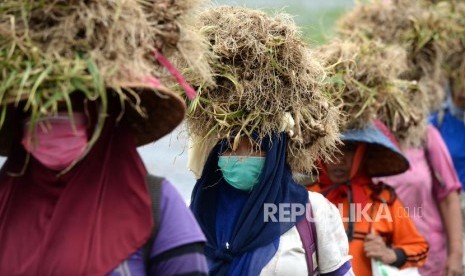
241, 172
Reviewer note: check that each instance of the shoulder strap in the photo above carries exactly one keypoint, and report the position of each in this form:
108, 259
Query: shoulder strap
154, 187
308, 235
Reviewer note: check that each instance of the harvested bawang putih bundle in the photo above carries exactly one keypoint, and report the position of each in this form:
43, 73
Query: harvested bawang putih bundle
366, 78
51, 50
414, 25
409, 131
266, 81
453, 13
449, 27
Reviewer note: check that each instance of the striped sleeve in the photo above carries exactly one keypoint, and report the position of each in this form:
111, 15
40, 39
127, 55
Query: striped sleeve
186, 260
179, 243
410, 246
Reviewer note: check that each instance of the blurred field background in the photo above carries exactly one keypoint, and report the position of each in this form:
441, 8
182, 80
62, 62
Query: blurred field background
168, 157
315, 17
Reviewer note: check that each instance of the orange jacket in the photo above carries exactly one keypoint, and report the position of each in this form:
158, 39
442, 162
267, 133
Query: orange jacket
389, 219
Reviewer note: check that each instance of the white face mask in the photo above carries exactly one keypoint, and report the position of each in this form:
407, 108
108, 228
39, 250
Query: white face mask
55, 143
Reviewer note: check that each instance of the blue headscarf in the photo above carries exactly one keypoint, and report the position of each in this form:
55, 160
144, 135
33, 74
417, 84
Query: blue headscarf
239, 241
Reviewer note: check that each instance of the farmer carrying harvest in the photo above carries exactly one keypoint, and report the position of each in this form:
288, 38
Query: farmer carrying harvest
250, 133
360, 75
80, 91
429, 33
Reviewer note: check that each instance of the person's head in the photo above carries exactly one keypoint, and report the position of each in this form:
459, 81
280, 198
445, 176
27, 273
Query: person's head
458, 94
57, 140
60, 139
340, 169
241, 167
366, 152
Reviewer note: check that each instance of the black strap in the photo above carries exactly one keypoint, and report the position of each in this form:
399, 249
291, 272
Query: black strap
350, 224
154, 187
